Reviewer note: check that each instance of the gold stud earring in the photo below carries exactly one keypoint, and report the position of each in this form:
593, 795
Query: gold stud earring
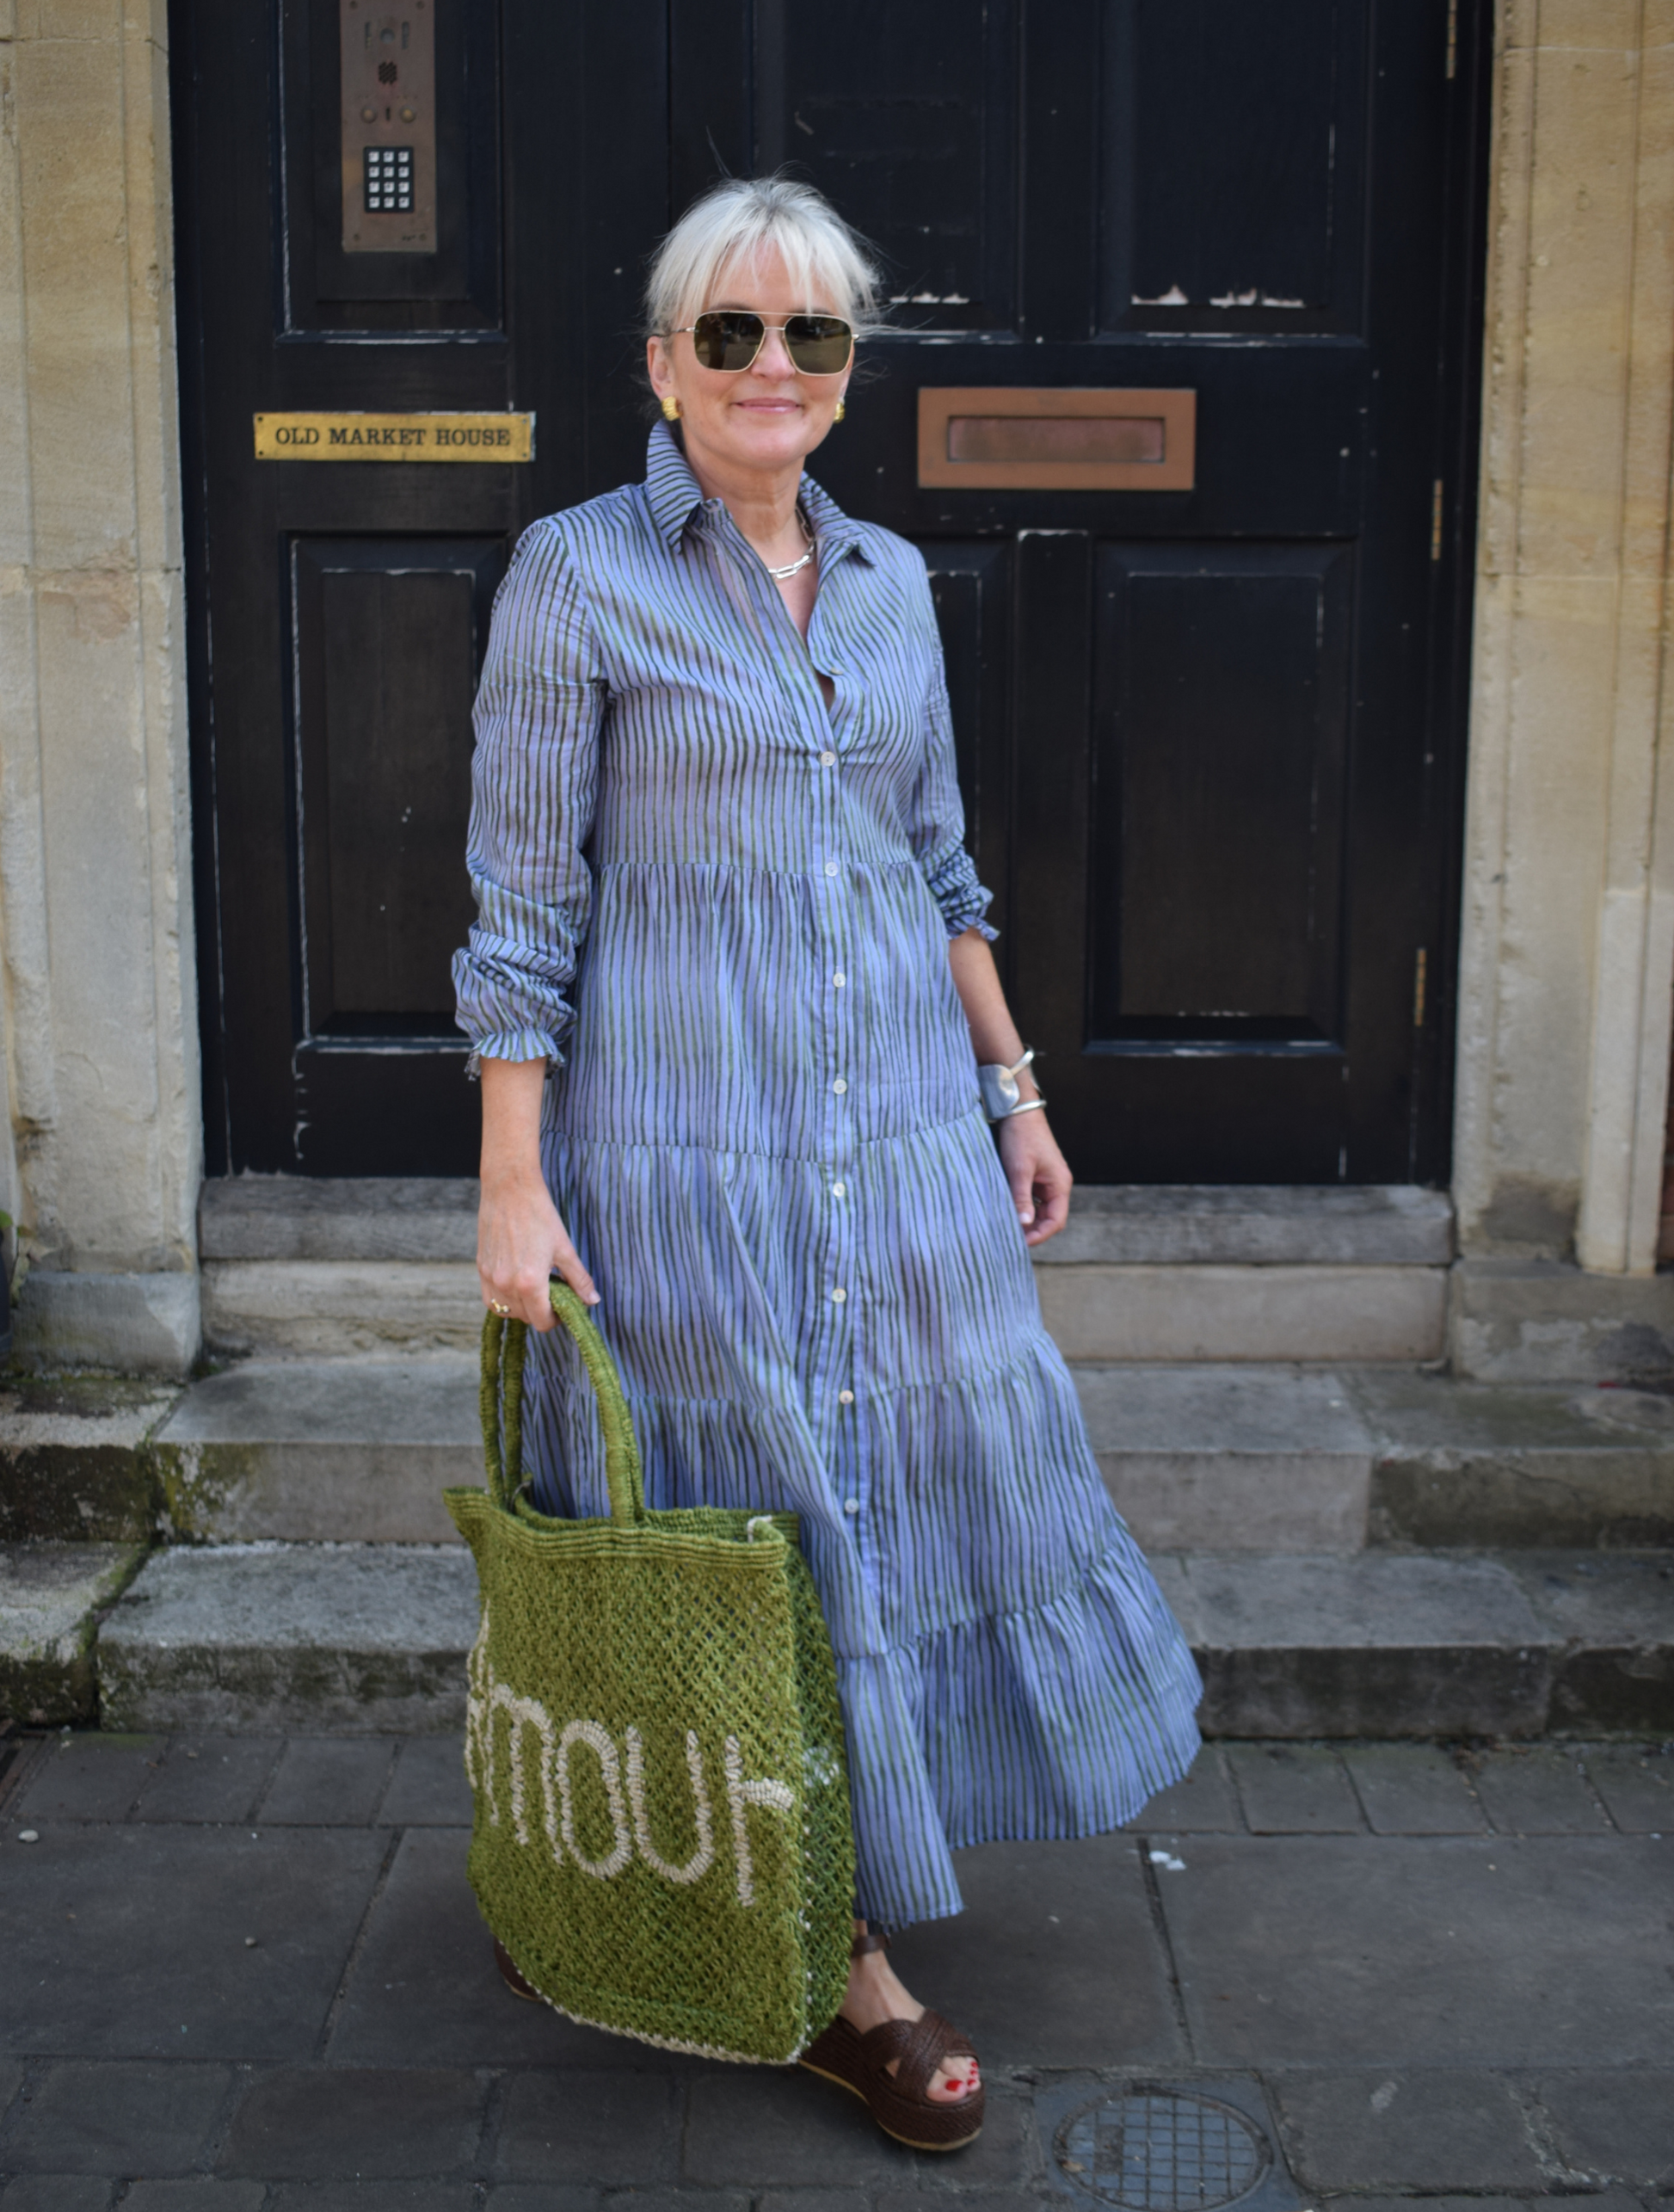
671, 408
842, 409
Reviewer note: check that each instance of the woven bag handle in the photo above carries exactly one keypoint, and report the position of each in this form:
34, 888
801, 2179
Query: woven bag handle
504, 1346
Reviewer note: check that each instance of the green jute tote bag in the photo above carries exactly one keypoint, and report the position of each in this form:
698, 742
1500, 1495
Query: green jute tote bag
661, 1839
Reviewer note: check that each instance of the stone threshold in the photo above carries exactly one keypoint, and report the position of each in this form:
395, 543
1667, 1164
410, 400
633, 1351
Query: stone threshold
256, 1217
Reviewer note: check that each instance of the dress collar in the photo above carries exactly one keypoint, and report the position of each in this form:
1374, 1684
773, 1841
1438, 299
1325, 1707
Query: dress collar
675, 497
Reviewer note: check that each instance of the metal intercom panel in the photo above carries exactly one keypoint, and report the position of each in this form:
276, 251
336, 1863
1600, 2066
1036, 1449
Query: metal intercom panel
389, 115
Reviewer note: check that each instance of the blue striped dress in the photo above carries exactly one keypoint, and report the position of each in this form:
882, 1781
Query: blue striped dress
722, 912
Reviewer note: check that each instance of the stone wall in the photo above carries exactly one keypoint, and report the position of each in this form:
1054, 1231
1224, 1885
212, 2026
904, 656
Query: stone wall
101, 1159
1567, 956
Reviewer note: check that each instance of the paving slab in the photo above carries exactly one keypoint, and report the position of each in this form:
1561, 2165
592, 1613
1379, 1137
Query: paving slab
429, 1787
51, 1596
754, 2127
374, 2196
57, 2192
1379, 1644
1636, 1783
1500, 1951
116, 2116
620, 2126
325, 2124
1531, 1790
1225, 1458
1472, 2204
1618, 2124
1482, 1465
328, 1781
323, 1451
1205, 1803
130, 1942
930, 2197
1054, 1961
543, 2196
75, 1466
1413, 1789
815, 2200
424, 1989
352, 1639
1294, 1790
183, 2193
1419, 2130
203, 1778
195, 2193
89, 1776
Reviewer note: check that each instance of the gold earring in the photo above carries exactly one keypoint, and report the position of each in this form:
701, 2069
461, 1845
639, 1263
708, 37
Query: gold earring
842, 409
671, 408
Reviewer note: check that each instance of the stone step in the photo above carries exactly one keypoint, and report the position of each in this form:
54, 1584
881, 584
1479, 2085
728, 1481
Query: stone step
1227, 1457
371, 1639
322, 1450
1224, 1458
52, 1597
299, 1267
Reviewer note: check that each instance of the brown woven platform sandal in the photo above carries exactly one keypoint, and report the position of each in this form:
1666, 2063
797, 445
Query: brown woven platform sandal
513, 1980
899, 2102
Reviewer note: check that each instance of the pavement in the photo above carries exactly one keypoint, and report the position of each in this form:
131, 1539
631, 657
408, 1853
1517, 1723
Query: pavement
244, 1974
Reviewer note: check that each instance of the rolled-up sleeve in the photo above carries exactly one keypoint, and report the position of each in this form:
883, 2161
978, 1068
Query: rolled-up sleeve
540, 708
937, 828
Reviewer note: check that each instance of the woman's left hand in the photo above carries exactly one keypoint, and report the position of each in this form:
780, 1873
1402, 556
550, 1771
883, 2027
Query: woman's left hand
1038, 1175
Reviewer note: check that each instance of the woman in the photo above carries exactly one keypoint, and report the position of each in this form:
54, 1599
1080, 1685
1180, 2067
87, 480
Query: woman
725, 908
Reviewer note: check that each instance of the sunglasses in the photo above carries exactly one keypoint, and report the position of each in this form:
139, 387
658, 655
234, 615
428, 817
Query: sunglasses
729, 338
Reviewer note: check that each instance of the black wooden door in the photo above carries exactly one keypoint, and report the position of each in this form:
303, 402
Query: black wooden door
1210, 735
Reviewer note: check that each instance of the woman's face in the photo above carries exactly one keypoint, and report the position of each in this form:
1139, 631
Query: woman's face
765, 418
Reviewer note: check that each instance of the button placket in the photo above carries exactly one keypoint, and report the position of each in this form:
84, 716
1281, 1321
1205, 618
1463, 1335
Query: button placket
834, 1028
838, 1244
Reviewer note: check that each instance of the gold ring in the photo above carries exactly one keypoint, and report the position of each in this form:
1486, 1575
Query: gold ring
500, 1308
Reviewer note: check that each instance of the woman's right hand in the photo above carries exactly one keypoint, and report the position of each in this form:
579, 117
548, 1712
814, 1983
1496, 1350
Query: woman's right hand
521, 1237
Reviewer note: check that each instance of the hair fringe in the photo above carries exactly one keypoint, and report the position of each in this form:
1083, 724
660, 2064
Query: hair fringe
739, 219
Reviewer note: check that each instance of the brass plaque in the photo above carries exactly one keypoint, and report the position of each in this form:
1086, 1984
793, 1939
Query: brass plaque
389, 143
395, 437
1013, 438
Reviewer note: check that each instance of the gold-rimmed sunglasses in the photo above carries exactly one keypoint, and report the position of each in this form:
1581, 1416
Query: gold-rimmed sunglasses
729, 338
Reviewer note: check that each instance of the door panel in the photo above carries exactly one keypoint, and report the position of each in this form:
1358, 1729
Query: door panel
389, 639
908, 120
1234, 142
1221, 717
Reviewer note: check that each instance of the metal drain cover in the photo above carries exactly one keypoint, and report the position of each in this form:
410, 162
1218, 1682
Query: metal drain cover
1162, 2150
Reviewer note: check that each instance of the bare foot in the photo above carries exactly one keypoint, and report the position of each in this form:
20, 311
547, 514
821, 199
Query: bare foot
875, 1995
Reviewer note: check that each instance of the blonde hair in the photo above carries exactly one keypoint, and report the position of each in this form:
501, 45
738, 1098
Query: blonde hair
741, 218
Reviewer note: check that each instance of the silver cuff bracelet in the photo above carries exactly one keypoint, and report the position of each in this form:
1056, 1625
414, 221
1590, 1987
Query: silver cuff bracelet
1000, 1096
